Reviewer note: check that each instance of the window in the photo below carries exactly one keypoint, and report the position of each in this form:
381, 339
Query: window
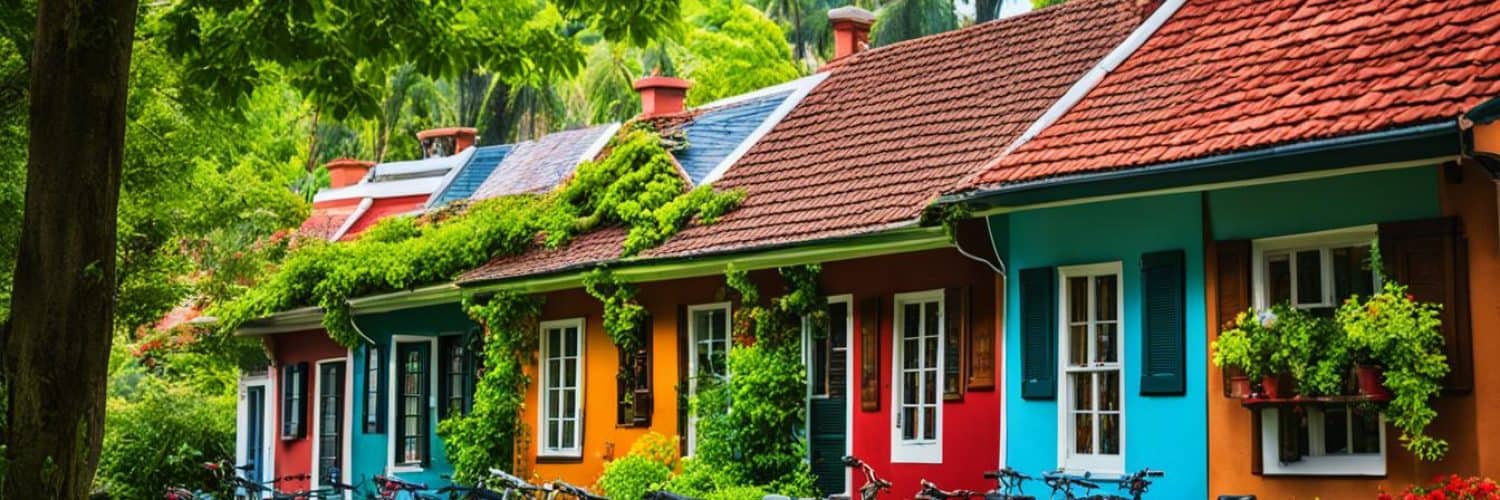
918, 387
293, 400
412, 409
829, 350
373, 384
330, 444
1317, 272
561, 389
708, 350
457, 360
1090, 355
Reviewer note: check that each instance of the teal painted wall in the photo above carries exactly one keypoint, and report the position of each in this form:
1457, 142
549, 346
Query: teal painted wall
1161, 432
371, 449
1321, 204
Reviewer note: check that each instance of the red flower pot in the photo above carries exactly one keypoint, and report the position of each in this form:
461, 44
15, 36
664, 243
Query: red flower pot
1270, 387
1239, 387
1371, 381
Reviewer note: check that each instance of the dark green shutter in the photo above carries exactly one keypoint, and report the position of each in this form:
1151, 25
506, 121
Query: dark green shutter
1163, 300
1038, 333
682, 378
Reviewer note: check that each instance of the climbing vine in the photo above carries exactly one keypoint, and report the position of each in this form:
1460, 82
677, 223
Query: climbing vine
636, 185
487, 436
748, 425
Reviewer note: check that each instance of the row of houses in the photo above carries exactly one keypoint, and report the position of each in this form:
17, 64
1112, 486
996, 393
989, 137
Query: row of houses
1131, 174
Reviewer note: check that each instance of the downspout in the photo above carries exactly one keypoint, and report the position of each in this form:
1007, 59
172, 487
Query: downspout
999, 346
360, 332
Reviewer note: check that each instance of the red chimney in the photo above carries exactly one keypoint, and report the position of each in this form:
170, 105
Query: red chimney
440, 142
346, 171
661, 95
851, 30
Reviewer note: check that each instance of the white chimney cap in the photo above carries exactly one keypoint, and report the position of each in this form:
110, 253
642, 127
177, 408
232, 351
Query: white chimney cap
851, 13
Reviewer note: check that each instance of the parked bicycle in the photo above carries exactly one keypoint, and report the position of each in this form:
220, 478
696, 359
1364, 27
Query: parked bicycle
1007, 485
560, 487
1063, 483
1134, 484
931, 491
395, 488
228, 478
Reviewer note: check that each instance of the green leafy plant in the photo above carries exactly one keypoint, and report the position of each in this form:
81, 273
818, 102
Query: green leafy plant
1311, 349
1248, 346
487, 436
1392, 329
631, 476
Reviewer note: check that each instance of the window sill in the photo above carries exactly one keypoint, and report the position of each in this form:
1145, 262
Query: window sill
559, 459
403, 469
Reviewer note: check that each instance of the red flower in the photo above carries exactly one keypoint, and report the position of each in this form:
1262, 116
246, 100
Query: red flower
1410, 297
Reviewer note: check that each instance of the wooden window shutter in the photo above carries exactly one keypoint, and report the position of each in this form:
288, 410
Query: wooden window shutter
636, 386
1430, 257
869, 354
1163, 300
682, 377
1038, 333
955, 330
1232, 279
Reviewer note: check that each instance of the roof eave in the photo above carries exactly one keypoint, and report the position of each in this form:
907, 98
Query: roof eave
1415, 142
303, 318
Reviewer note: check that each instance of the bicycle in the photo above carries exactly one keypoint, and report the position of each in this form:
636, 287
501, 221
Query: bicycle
232, 484
1135, 484
1007, 485
873, 484
560, 487
391, 488
1063, 483
931, 491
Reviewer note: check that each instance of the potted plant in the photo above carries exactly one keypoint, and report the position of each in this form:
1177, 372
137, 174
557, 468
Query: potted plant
1312, 350
1247, 347
1404, 338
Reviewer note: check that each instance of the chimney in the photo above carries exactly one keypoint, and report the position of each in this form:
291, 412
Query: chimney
440, 142
851, 30
661, 95
345, 172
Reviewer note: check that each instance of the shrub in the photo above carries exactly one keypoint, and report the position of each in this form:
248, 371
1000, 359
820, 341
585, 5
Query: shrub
657, 447
631, 476
163, 438
1452, 487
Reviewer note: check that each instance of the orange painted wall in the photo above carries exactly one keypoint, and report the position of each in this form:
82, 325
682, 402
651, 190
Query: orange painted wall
1473, 450
972, 425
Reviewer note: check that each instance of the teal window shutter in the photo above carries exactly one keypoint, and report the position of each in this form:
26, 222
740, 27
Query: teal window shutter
1163, 300
1038, 333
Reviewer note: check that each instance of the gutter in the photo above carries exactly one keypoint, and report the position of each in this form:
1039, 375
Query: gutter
425, 296
302, 318
1415, 142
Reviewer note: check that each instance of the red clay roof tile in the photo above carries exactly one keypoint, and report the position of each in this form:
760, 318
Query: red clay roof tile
1229, 75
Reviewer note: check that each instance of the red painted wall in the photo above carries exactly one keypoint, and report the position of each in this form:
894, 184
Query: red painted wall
295, 456
971, 427
382, 208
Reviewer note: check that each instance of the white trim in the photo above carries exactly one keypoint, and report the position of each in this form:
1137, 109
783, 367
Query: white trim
692, 359
800, 88
598, 146
317, 419
387, 189
453, 173
919, 450
1326, 465
1066, 458
432, 352
359, 211
1349, 236
1086, 84
1001, 385
542, 446
442, 293
268, 431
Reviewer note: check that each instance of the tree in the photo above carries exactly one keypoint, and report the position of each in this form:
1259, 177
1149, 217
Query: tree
59, 333
902, 20
733, 48
1042, 4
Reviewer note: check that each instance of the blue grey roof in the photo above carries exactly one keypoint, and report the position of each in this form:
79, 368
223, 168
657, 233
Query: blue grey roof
540, 165
716, 132
471, 175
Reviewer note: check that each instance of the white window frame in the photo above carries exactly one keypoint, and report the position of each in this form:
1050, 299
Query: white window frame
392, 466
269, 431
317, 419
849, 389
922, 451
1068, 459
1368, 464
692, 359
543, 448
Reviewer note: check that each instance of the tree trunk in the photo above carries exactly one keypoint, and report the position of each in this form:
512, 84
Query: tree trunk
56, 353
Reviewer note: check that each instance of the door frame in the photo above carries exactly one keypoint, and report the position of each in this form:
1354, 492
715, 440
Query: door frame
268, 423
317, 418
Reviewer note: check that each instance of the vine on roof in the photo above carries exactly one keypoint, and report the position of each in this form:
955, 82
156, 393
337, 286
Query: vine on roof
636, 185
487, 436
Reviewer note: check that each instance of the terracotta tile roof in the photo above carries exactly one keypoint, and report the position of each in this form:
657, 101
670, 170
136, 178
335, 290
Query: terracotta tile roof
1228, 75
326, 219
885, 133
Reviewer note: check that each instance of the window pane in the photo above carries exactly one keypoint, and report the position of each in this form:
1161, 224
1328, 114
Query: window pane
929, 386
1309, 277
910, 352
1083, 432
1351, 272
1109, 434
554, 342
911, 319
1279, 279
909, 422
1109, 391
571, 337
929, 422
1078, 345
1105, 308
1366, 432
909, 388
1078, 300
1083, 391
931, 319
570, 371
1105, 349
929, 352
1335, 431
719, 328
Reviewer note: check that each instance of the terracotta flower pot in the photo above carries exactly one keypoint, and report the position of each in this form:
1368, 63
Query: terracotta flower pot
1270, 387
1371, 381
1239, 387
